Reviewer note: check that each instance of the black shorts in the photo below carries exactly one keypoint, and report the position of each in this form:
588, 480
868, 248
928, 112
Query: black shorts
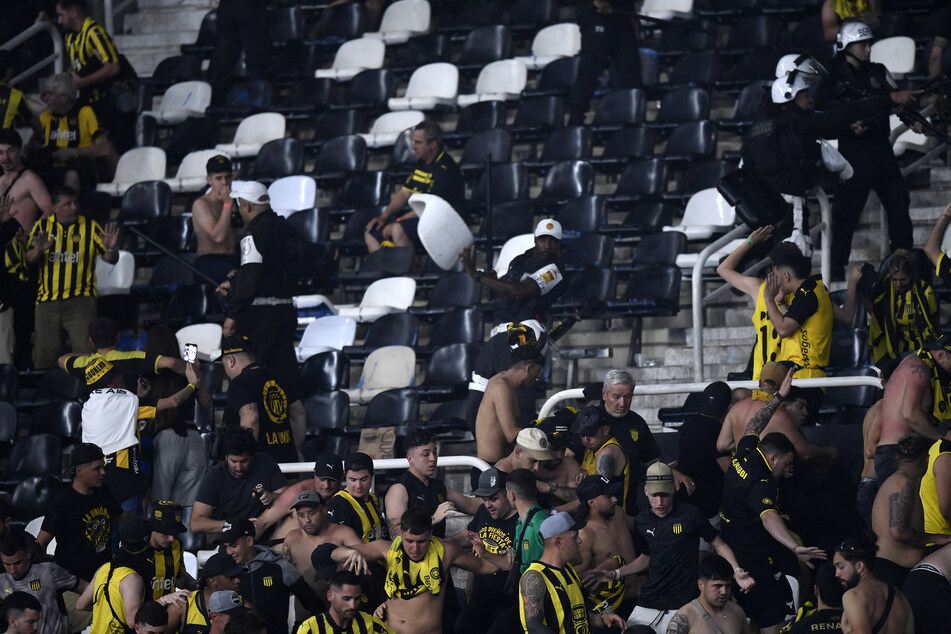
409, 228
929, 595
890, 572
770, 601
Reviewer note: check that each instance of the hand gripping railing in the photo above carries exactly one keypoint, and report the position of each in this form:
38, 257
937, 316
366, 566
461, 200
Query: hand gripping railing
683, 388
55, 58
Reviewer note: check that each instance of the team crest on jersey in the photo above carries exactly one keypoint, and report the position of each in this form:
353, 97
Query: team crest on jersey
275, 402
434, 574
35, 585
767, 502
678, 528
635, 435
268, 582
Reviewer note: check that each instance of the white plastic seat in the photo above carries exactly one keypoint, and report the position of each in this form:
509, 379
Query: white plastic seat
687, 260
181, 101
907, 140
326, 333
252, 133
794, 586
192, 174
191, 564
513, 247
206, 336
382, 297
115, 279
503, 80
896, 53
430, 87
385, 368
292, 193
667, 9
402, 20
387, 128
34, 525
443, 233
707, 213
135, 166
355, 56
551, 43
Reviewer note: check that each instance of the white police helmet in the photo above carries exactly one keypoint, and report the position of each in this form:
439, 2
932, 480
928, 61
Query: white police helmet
786, 88
805, 64
851, 32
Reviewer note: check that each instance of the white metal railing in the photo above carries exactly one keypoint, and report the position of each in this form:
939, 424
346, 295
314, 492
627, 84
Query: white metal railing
823, 229
389, 464
55, 58
110, 13
685, 388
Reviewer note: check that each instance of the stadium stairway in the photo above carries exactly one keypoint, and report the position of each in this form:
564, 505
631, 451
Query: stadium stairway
158, 29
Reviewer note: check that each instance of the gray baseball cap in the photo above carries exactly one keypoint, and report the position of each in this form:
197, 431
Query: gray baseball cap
226, 602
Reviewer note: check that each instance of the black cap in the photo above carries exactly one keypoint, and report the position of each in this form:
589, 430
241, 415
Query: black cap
235, 344
235, 529
595, 485
588, 421
593, 392
328, 466
221, 564
359, 462
942, 342
324, 565
166, 517
86, 452
715, 399
491, 482
557, 428
135, 532
218, 164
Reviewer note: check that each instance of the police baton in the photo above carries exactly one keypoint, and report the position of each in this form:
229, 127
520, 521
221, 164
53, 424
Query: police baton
174, 256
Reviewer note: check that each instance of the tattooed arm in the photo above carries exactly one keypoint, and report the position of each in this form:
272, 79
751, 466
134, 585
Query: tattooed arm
609, 462
916, 394
532, 593
759, 421
286, 552
680, 624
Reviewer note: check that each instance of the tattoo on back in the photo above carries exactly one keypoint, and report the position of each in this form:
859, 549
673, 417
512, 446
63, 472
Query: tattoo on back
920, 370
899, 507
678, 625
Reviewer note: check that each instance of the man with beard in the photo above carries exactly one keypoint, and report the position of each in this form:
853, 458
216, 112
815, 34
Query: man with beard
29, 198
559, 477
712, 611
328, 472
344, 614
869, 605
219, 574
497, 420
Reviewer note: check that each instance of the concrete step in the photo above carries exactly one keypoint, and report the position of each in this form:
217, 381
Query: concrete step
137, 42
146, 5
172, 20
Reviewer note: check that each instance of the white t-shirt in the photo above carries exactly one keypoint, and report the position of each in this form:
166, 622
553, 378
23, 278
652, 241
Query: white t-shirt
110, 417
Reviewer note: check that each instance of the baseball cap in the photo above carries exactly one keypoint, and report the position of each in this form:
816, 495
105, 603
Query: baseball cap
595, 485
359, 462
491, 482
221, 564
226, 602
235, 529
558, 523
593, 392
659, 479
135, 530
328, 466
218, 164
308, 498
715, 399
324, 565
942, 342
99, 371
548, 227
535, 442
557, 428
253, 192
234, 344
772, 374
587, 421
166, 517
86, 452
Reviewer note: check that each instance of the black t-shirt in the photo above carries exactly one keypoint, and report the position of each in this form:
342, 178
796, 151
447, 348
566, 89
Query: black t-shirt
819, 621
273, 396
673, 543
267, 586
440, 178
9, 282
635, 438
749, 490
231, 496
697, 458
82, 526
805, 304
496, 536
549, 275
427, 496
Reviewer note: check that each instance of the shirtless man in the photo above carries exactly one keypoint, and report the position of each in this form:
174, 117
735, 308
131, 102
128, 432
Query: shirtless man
530, 451
30, 199
740, 414
328, 472
211, 219
908, 405
605, 541
560, 476
417, 565
868, 485
497, 420
898, 517
868, 605
713, 611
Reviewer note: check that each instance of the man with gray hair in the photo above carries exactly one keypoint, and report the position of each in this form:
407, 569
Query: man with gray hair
260, 291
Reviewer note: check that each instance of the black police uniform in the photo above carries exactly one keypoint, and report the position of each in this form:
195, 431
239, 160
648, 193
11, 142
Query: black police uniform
242, 25
871, 157
604, 36
261, 299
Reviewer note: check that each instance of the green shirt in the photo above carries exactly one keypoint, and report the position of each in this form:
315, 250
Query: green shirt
532, 545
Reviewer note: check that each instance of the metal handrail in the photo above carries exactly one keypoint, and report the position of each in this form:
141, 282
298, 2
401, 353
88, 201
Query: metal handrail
389, 464
110, 14
55, 58
684, 388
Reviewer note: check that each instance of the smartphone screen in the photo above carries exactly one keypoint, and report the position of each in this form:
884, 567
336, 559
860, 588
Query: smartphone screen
191, 352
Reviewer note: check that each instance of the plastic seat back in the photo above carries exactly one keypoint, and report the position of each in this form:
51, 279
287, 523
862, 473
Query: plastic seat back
547, 112
336, 122
363, 53
584, 214
460, 325
497, 143
700, 67
439, 80
509, 182
395, 329
392, 407
37, 455
450, 366
561, 40
146, 201
398, 121
693, 139
140, 164
406, 15
281, 157
332, 332
260, 128
896, 53
342, 22
480, 116
186, 95
454, 289
58, 384
513, 247
32, 496
325, 371
568, 179
206, 336
593, 283
620, 107
287, 24
395, 292
364, 189
708, 208
565, 144
590, 249
634, 142
327, 411
684, 104
115, 279
558, 77
486, 44
292, 193
346, 153
503, 76
9, 377
388, 367
662, 248
62, 419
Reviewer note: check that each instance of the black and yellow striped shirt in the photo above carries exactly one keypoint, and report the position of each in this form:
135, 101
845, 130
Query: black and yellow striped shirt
362, 623
68, 267
14, 108
77, 128
168, 565
89, 50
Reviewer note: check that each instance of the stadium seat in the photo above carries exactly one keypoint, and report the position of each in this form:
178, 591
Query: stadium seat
496, 143
591, 283
206, 336
287, 24
475, 118
295, 61
513, 247
839, 398
389, 262
62, 419
325, 371
619, 109
306, 97
324, 445
354, 56
387, 128
188, 305
403, 20
448, 416
551, 43
389, 295
192, 175
509, 218
584, 214
244, 98
57, 385
31, 497
338, 158
623, 145
395, 329
707, 213
567, 179
419, 51
683, 104
430, 86
459, 325
556, 79
655, 290
175, 69
8, 426
334, 123
662, 248
590, 249
326, 333
692, 140
752, 32
145, 202
181, 101
360, 190
170, 272
204, 44
135, 166
564, 144
448, 373
115, 279
327, 412
369, 90
849, 349
509, 182
385, 369
293, 194
278, 158
532, 15
751, 107
451, 291
38, 455
896, 53
252, 133
484, 45
9, 377
536, 117
698, 68
502, 80
643, 180
667, 9
395, 407
311, 225
700, 175
341, 22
